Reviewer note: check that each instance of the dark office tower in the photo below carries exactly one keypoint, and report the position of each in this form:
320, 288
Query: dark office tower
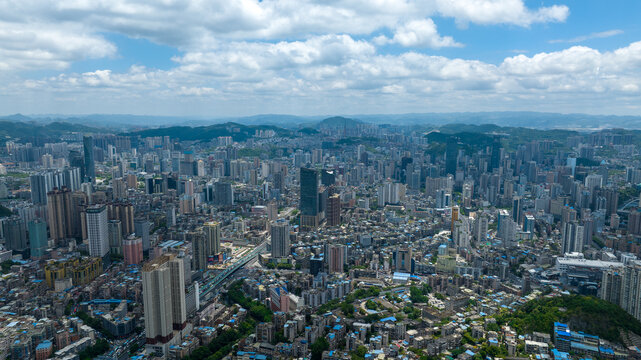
60, 214
223, 193
279, 181
76, 160
451, 154
516, 209
634, 222
38, 238
611, 201
187, 164
90, 166
328, 178
531, 171
495, 156
142, 228
405, 162
15, 235
316, 265
308, 203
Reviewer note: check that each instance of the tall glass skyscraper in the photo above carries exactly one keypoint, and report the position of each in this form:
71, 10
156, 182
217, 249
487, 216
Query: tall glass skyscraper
38, 237
90, 165
451, 154
308, 192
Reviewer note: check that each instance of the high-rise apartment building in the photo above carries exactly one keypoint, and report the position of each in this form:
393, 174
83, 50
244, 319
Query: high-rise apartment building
333, 210
205, 244
336, 258
97, 230
201, 251
132, 250
404, 259
124, 212
212, 235
115, 237
142, 227
163, 290
15, 235
281, 247
40, 184
623, 287
572, 237
60, 214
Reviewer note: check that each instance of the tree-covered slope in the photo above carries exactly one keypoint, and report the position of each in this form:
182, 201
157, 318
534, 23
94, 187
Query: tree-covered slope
238, 132
582, 313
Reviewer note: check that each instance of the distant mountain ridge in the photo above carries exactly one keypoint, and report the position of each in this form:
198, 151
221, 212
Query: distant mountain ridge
529, 119
238, 132
338, 122
26, 130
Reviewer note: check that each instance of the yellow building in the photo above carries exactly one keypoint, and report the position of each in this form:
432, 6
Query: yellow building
81, 270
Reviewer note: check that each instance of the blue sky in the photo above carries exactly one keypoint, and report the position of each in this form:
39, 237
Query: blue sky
244, 57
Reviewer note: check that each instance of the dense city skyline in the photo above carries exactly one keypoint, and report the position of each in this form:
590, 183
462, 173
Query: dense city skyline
320, 179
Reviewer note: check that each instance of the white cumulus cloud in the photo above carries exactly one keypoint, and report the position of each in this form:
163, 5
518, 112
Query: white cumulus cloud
418, 33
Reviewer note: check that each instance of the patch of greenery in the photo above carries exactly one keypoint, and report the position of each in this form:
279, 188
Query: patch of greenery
357, 140
362, 294
328, 306
17, 175
359, 353
95, 324
223, 344
308, 131
628, 193
347, 309
321, 344
6, 266
586, 162
372, 318
249, 152
582, 313
94, 351
371, 305
256, 309
418, 295
27, 132
598, 241
5, 211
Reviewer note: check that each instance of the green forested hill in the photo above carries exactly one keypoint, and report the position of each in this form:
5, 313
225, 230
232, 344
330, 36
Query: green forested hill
238, 132
582, 313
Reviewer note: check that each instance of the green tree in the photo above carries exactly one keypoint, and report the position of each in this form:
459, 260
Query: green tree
371, 305
347, 309
359, 353
318, 347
